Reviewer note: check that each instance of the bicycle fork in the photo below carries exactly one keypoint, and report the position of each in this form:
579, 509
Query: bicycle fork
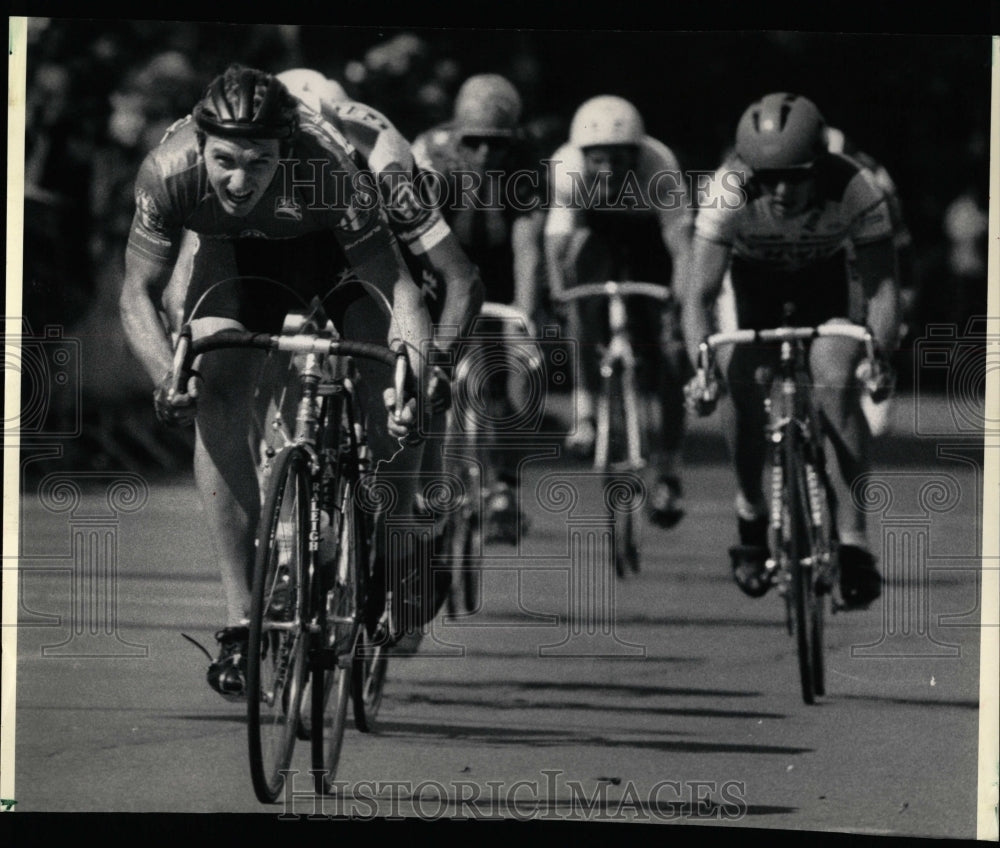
618, 359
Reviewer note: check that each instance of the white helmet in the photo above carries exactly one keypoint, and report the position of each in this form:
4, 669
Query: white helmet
606, 120
312, 88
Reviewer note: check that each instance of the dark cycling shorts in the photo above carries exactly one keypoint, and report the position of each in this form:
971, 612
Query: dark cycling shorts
305, 266
818, 293
620, 248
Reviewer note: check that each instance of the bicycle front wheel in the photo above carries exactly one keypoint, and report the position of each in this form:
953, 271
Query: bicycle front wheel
802, 562
277, 653
341, 597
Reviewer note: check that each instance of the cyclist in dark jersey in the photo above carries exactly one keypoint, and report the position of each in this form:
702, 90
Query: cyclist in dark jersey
485, 178
271, 189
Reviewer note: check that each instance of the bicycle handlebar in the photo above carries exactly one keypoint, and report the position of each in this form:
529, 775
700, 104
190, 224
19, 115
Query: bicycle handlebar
780, 334
505, 312
612, 288
393, 356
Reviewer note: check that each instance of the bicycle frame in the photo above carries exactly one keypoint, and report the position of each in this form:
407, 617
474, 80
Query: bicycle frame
789, 404
311, 465
618, 359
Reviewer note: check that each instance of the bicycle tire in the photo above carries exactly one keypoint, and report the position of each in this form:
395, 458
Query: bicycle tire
341, 594
616, 395
799, 548
463, 548
281, 652
371, 660
822, 546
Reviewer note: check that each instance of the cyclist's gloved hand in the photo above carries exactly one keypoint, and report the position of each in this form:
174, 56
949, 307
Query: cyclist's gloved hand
175, 408
439, 390
405, 427
878, 378
701, 393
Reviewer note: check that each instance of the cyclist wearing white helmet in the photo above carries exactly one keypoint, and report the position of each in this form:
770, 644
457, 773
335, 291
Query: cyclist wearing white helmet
786, 245
472, 156
619, 210
217, 175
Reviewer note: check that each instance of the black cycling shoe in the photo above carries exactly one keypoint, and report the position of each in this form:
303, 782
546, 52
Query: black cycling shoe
228, 674
750, 569
666, 507
860, 582
749, 558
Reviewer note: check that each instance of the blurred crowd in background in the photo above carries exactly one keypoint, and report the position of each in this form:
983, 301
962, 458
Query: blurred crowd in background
101, 93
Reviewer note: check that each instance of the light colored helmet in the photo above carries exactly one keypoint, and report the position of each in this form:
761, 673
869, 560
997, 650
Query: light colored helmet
781, 131
606, 120
487, 105
312, 88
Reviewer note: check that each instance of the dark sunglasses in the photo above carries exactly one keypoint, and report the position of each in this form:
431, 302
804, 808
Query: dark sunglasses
792, 176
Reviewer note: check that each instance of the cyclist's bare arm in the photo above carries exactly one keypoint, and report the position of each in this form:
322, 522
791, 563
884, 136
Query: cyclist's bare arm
384, 268
462, 285
562, 230
709, 261
526, 244
676, 235
875, 264
142, 292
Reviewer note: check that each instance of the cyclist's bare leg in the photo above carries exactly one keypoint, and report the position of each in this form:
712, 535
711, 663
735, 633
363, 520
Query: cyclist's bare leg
832, 363
224, 466
746, 426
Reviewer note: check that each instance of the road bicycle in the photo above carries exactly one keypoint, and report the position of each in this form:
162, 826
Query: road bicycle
313, 575
623, 415
468, 445
802, 531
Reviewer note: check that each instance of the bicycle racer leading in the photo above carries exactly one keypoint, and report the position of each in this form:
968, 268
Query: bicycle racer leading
780, 216
270, 189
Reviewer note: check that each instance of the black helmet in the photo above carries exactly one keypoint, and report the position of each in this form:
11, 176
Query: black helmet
246, 103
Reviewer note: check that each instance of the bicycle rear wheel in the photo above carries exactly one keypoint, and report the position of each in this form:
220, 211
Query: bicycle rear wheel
802, 561
341, 596
277, 653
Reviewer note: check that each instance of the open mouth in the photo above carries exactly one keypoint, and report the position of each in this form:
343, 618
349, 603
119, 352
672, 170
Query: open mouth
238, 198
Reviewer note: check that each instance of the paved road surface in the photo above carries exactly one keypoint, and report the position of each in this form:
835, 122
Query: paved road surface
685, 691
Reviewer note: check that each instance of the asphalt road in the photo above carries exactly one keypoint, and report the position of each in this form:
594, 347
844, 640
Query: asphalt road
671, 698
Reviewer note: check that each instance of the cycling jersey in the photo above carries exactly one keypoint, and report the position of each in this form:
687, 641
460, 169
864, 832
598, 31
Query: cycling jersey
417, 225
479, 207
655, 189
848, 209
319, 186
837, 142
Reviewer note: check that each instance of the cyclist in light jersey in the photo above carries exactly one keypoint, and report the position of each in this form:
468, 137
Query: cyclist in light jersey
452, 288
451, 283
619, 210
780, 216
244, 173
